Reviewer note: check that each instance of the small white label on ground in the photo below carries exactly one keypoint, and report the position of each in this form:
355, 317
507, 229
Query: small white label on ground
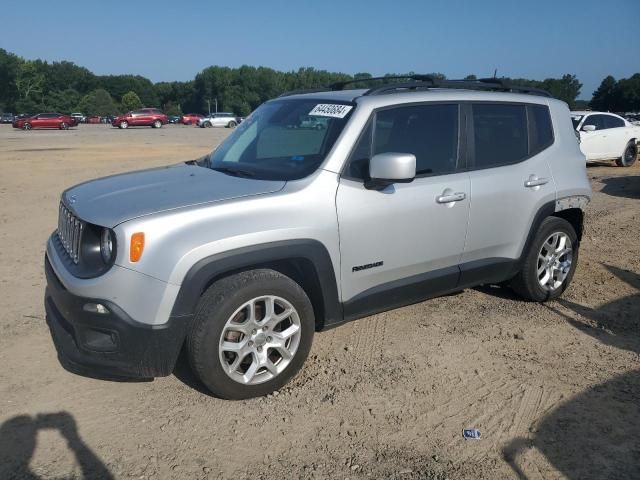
330, 110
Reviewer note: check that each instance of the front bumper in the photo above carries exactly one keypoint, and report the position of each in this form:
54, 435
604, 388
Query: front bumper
109, 345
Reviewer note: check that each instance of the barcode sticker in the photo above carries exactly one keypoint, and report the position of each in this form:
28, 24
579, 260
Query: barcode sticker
330, 110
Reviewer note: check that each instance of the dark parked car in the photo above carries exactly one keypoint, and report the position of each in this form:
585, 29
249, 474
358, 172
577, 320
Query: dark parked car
174, 119
45, 120
6, 118
145, 117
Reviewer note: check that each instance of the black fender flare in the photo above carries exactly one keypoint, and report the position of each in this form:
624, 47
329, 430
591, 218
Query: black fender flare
207, 270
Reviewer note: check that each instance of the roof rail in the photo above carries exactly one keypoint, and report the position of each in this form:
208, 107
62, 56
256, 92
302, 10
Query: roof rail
425, 82
484, 84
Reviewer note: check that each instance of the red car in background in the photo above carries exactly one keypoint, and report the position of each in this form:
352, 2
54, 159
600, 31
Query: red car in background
145, 117
190, 118
45, 120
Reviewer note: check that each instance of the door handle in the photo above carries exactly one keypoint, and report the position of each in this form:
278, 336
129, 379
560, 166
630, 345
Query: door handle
452, 197
534, 181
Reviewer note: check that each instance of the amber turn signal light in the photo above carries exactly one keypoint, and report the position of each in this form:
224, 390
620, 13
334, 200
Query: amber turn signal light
136, 247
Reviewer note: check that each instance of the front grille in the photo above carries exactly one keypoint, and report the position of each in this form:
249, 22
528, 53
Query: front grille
70, 230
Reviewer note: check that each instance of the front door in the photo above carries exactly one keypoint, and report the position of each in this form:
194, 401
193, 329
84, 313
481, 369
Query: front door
594, 144
404, 243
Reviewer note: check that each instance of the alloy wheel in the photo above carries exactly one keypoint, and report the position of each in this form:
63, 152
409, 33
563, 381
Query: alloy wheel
554, 261
259, 340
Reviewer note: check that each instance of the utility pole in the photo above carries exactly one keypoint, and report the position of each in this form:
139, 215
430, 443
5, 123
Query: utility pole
216, 99
209, 105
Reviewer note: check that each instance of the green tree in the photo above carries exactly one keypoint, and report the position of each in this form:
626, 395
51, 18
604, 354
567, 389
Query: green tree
29, 80
603, 96
172, 108
131, 101
98, 102
9, 64
62, 100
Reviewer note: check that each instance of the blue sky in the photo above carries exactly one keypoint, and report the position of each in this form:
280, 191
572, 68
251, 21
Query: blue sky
173, 40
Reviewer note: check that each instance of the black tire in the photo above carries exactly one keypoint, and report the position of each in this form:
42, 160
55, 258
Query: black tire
26, 126
157, 124
629, 156
64, 126
123, 125
217, 305
526, 283
206, 125
231, 124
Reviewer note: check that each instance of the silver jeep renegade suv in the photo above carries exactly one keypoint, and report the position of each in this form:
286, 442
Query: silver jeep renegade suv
411, 190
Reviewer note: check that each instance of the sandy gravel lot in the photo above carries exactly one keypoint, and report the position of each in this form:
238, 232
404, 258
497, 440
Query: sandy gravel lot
554, 388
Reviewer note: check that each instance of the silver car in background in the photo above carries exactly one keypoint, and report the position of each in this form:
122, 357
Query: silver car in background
220, 119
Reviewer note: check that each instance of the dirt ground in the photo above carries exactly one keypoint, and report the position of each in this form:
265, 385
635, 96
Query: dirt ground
554, 388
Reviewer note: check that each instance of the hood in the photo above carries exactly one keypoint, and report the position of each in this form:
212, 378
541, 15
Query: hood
112, 200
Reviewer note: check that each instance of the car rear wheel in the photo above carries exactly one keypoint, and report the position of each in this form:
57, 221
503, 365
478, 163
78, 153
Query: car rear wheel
124, 124
629, 156
251, 334
231, 124
550, 263
157, 124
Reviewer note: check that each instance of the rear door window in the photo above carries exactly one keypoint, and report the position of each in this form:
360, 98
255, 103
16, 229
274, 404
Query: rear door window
540, 128
613, 122
500, 134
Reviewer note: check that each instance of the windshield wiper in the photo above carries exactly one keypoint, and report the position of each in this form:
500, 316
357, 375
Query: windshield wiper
236, 172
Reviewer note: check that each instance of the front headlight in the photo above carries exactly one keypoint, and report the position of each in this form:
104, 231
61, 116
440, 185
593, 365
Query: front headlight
106, 245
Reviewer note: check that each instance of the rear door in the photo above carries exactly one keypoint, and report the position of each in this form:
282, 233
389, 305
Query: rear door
616, 136
510, 182
404, 243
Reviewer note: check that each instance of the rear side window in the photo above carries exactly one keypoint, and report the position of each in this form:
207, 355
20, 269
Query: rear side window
613, 122
500, 134
540, 128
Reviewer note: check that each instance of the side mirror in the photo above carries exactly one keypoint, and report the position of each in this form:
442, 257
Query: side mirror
588, 128
389, 168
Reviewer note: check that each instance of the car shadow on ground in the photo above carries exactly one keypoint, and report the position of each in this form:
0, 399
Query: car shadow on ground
18, 441
595, 434
627, 186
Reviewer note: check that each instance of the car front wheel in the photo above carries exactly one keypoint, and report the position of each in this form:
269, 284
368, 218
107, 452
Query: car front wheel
64, 126
550, 263
157, 124
26, 126
124, 125
251, 334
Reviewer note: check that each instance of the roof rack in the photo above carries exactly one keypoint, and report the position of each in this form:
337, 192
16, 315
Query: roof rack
426, 82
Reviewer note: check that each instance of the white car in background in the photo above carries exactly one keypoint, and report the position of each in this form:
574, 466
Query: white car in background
607, 136
220, 119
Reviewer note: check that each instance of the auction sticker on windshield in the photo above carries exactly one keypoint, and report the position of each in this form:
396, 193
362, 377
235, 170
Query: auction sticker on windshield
330, 110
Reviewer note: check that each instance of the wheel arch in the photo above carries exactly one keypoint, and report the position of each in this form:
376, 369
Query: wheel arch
307, 262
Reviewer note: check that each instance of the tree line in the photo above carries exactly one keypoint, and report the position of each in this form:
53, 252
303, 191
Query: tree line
37, 85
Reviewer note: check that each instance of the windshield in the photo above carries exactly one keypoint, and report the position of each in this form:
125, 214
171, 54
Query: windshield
576, 120
278, 141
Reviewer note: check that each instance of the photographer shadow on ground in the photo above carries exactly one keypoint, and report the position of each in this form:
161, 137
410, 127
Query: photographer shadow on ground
595, 434
625, 186
18, 440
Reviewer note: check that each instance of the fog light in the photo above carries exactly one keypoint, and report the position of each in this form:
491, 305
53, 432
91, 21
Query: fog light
95, 308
